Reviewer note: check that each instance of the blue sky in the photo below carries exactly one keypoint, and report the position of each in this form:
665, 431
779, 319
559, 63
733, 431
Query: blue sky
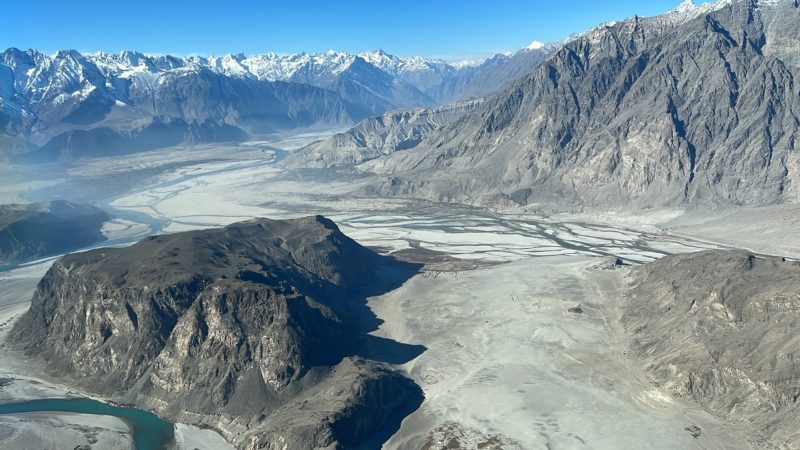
439, 28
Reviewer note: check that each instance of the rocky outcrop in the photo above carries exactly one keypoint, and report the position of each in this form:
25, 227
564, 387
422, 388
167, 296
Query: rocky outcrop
378, 136
454, 436
45, 229
256, 329
720, 327
696, 106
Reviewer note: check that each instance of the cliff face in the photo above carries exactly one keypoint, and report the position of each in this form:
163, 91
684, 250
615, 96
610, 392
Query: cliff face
43, 229
242, 328
720, 327
699, 105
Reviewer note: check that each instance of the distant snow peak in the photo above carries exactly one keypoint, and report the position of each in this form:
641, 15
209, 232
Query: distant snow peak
467, 63
536, 45
690, 8
685, 6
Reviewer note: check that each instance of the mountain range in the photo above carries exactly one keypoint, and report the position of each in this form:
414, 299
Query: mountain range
699, 105
71, 104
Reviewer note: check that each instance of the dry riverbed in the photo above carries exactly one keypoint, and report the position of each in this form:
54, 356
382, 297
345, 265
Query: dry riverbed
519, 314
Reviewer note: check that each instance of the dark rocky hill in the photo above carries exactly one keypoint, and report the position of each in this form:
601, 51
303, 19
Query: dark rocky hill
257, 329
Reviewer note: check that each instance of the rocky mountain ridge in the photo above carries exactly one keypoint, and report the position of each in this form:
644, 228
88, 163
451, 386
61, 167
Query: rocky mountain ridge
696, 106
378, 136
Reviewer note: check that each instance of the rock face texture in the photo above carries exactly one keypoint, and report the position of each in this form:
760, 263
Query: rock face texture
378, 136
454, 436
44, 229
395, 131
720, 327
700, 105
257, 329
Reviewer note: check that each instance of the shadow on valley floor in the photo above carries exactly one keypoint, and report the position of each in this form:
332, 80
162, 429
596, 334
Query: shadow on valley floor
390, 275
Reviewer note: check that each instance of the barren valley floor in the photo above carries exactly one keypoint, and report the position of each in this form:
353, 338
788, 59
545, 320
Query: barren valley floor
519, 314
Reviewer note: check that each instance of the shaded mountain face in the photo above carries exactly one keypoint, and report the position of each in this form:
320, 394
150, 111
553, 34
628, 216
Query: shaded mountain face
720, 327
44, 99
697, 106
45, 229
257, 327
104, 141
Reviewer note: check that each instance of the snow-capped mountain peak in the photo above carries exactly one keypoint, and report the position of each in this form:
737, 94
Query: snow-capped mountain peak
86, 89
685, 6
535, 45
688, 9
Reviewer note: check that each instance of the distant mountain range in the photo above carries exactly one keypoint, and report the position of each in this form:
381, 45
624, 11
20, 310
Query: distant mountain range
71, 104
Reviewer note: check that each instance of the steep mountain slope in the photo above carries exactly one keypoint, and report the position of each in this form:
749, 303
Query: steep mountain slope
719, 327
378, 136
12, 140
447, 84
699, 105
257, 329
402, 130
44, 229
434, 78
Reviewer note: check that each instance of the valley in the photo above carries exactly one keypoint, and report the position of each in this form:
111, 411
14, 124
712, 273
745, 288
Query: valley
589, 243
497, 286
